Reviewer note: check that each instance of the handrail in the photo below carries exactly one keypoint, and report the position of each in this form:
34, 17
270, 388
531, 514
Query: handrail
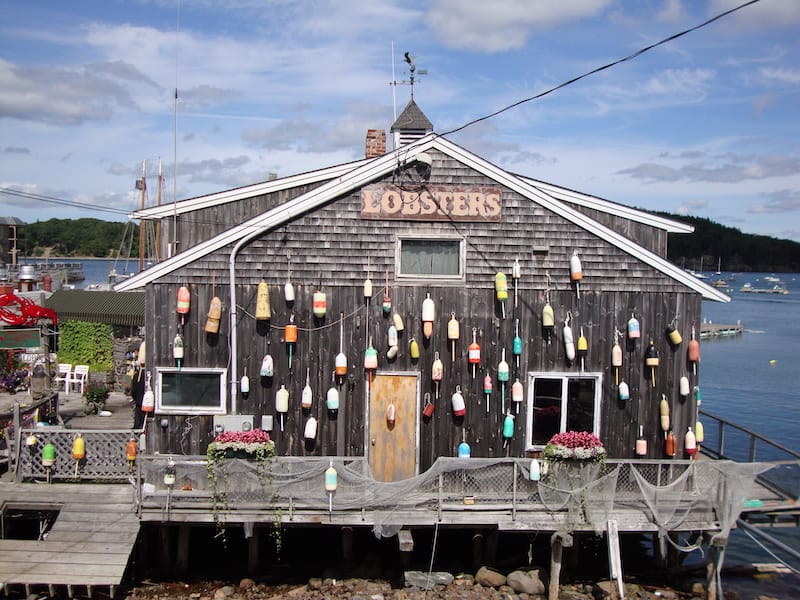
719, 451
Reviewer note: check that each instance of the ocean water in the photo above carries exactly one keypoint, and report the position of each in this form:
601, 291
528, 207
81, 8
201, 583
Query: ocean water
752, 379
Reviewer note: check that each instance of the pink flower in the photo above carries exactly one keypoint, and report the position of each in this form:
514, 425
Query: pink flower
254, 436
576, 439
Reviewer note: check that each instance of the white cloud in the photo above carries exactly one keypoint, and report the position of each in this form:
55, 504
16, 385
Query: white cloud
480, 26
781, 201
781, 74
769, 13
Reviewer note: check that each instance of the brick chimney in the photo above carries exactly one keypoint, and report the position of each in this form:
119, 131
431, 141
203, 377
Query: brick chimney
376, 143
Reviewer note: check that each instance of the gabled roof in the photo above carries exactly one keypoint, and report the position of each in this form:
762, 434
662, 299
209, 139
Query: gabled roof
248, 191
383, 165
113, 308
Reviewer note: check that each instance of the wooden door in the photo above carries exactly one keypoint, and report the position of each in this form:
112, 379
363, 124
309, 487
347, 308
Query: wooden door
393, 449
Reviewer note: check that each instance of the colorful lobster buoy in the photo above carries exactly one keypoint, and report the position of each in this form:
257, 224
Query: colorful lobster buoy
332, 398
671, 444
428, 315
367, 290
319, 304
641, 443
699, 433
48, 458
663, 411
535, 472
244, 383
501, 290
288, 292
583, 349
184, 302
616, 357
78, 451
282, 402
548, 321
623, 392
464, 450
457, 401
170, 473
516, 347
690, 443
474, 352
673, 335
413, 348
386, 305
576, 272
693, 352
634, 329
516, 273
508, 428
569, 341
392, 341
453, 333
683, 386
340, 363
263, 309
398, 322
307, 395
149, 398
651, 360
267, 366
502, 377
214, 315
331, 483
131, 452
437, 373
428, 406
177, 349
290, 337
370, 358
310, 430
487, 389
517, 395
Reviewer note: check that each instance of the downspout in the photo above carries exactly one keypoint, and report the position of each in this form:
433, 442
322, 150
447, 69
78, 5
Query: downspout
233, 311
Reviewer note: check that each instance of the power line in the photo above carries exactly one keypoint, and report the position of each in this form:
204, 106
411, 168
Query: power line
604, 67
61, 201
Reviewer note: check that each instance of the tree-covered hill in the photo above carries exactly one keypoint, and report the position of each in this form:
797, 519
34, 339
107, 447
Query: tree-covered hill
713, 243
73, 237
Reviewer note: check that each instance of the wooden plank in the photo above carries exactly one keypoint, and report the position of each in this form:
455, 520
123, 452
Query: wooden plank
63, 546
100, 536
74, 556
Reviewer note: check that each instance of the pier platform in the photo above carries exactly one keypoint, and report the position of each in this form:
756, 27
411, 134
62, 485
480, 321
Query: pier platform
713, 330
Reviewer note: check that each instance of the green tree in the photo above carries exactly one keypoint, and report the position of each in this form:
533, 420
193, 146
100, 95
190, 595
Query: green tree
84, 343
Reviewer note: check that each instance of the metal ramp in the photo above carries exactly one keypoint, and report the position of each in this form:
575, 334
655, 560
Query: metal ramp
88, 546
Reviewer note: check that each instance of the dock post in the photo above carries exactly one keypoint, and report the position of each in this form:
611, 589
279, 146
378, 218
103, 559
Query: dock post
477, 550
716, 554
558, 541
182, 560
347, 546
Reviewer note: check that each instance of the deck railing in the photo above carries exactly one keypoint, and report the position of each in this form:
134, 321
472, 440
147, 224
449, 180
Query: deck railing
726, 440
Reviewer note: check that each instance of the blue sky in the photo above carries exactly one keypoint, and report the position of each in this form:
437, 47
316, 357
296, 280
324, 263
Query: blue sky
706, 125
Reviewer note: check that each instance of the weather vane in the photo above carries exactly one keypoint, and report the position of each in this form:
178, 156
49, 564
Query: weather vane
412, 72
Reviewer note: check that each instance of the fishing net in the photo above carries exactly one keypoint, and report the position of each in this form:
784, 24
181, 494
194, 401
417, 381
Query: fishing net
671, 495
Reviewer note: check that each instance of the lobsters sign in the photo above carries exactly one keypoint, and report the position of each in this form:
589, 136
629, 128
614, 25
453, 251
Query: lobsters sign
431, 203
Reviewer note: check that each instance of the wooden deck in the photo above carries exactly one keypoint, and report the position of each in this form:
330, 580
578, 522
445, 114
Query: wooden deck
712, 330
89, 545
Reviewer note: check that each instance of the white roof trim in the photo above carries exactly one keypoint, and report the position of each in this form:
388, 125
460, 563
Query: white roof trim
248, 191
377, 167
609, 207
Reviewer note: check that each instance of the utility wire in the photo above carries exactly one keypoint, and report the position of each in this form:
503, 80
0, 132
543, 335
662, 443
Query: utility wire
604, 67
61, 201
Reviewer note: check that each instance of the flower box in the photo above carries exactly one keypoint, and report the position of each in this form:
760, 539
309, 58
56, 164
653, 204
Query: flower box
574, 446
253, 444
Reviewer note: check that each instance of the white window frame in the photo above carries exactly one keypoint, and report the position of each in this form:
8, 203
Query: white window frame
565, 377
220, 408
433, 237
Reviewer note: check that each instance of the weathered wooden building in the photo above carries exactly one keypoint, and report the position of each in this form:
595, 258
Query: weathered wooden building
428, 219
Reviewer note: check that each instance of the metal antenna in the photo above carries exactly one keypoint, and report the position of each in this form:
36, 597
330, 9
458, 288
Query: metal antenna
412, 70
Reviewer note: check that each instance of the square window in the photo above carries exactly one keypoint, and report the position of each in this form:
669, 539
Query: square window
190, 390
427, 258
561, 402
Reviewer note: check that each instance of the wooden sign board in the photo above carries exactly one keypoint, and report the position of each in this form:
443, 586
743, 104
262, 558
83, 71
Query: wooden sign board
13, 339
431, 203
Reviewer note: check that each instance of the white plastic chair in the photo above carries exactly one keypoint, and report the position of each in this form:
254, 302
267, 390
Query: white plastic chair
79, 376
64, 375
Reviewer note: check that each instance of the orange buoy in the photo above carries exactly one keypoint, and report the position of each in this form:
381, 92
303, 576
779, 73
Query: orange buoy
474, 352
131, 451
693, 352
670, 444
290, 336
184, 302
576, 272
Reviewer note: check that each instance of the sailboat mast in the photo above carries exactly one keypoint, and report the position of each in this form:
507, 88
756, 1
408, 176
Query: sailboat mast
141, 222
157, 250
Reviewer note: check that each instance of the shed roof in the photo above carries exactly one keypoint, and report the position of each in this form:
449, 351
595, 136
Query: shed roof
114, 308
412, 117
378, 167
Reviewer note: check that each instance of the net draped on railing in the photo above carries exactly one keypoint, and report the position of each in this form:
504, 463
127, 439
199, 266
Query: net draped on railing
668, 493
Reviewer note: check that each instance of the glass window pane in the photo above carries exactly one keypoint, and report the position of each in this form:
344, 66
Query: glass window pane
546, 409
580, 404
430, 257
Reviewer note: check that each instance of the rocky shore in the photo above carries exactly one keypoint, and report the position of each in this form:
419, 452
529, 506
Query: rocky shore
486, 584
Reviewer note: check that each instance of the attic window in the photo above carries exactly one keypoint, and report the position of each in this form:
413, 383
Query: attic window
430, 258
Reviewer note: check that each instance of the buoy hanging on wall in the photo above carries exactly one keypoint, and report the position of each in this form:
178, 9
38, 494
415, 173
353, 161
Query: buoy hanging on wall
288, 292
548, 321
673, 335
214, 315
310, 431
616, 356
517, 395
474, 352
683, 386
332, 398
693, 352
457, 400
576, 272
307, 396
516, 346
413, 348
263, 309
583, 349
671, 444
290, 336
319, 304
453, 333
508, 428
663, 411
651, 361
267, 366
386, 306
184, 302
569, 341
398, 321
391, 415
282, 403
428, 315
244, 383
690, 443
516, 273
634, 329
641, 443
487, 390
535, 472
367, 289
623, 392
177, 349
340, 363
437, 373
331, 483
501, 290
502, 377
